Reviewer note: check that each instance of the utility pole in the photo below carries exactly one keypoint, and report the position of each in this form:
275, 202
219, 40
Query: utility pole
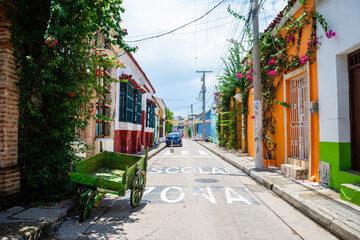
192, 122
259, 161
203, 89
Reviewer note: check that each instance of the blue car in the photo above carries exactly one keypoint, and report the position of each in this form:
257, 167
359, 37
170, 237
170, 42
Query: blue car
175, 137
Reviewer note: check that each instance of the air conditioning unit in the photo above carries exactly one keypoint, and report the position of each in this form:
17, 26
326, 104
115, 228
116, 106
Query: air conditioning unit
324, 173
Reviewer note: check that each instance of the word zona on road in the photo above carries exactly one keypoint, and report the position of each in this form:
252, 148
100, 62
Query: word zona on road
199, 194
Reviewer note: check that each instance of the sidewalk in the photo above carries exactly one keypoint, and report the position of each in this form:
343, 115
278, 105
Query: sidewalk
32, 222
319, 203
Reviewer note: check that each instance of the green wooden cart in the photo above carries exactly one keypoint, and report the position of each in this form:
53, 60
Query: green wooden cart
109, 172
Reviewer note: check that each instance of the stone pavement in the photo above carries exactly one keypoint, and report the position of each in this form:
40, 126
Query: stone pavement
33, 222
319, 203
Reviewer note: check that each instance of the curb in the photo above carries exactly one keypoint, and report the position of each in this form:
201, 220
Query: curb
35, 230
307, 207
156, 151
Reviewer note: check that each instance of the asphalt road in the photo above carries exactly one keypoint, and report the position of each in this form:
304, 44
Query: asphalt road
193, 194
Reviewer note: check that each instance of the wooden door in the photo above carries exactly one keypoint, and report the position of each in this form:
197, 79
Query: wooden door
354, 87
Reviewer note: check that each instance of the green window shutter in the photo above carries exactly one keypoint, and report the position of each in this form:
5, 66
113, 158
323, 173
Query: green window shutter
123, 87
130, 103
138, 107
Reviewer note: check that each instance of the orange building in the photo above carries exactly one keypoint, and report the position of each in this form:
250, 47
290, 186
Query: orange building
297, 127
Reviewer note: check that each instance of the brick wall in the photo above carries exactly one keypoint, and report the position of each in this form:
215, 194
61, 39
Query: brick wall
9, 115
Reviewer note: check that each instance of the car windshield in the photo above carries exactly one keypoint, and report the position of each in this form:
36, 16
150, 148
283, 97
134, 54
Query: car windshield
174, 135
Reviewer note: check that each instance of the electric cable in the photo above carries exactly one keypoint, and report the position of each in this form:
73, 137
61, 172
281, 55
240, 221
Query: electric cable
171, 31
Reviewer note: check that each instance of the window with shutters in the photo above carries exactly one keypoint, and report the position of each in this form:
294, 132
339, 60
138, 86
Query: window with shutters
137, 107
130, 103
150, 115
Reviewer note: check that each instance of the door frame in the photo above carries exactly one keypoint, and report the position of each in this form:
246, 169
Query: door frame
286, 78
350, 68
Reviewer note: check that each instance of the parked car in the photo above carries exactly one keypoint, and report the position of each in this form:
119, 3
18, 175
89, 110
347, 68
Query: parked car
175, 137
198, 136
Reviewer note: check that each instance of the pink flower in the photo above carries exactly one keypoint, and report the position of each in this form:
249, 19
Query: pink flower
239, 75
55, 41
232, 40
219, 97
251, 79
272, 61
215, 93
71, 94
291, 39
216, 111
253, 117
330, 34
272, 72
303, 59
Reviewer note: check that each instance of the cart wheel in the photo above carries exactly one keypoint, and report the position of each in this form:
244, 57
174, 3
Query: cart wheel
80, 189
87, 206
138, 188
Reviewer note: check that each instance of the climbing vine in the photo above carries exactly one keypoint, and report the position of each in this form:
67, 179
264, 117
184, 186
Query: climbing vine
61, 71
276, 59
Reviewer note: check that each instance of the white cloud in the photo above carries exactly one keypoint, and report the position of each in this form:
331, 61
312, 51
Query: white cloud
171, 61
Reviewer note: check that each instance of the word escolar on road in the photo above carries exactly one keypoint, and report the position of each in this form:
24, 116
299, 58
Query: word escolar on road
194, 170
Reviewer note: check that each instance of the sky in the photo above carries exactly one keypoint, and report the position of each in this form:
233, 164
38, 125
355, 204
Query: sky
170, 62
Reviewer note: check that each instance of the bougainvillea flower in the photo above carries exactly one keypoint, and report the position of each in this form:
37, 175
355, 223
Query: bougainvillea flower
253, 117
216, 111
272, 72
251, 79
303, 59
330, 34
232, 40
272, 61
55, 41
291, 39
239, 75
71, 94
51, 45
215, 93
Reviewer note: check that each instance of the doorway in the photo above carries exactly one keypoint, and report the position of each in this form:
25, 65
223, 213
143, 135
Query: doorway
354, 104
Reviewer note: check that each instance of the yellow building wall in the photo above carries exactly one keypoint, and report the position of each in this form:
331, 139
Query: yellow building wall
250, 125
279, 136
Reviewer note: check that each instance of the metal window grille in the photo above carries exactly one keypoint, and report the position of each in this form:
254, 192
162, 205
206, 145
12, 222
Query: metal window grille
299, 117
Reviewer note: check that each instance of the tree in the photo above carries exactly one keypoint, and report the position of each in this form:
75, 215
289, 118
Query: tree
168, 125
60, 71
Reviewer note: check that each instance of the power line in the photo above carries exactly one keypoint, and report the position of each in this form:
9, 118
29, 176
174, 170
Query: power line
149, 34
166, 33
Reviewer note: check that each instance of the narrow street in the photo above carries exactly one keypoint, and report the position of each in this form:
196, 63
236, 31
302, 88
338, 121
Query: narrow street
193, 194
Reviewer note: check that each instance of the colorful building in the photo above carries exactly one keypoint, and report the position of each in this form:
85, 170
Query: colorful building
199, 122
135, 108
213, 120
160, 128
339, 94
297, 126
